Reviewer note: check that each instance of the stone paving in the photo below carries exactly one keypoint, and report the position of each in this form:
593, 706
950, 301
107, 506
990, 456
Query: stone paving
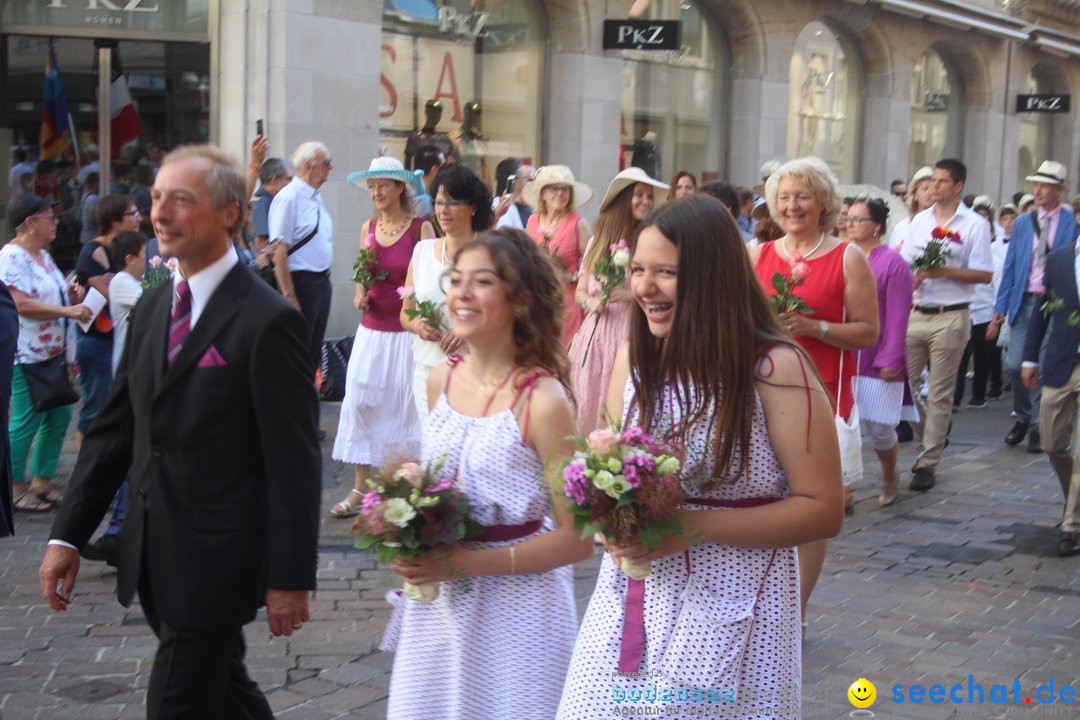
961, 581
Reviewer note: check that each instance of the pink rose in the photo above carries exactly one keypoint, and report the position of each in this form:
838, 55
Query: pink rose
800, 270
603, 441
155, 262
405, 291
409, 471
172, 263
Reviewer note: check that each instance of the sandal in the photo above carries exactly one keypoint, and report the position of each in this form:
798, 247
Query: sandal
48, 495
345, 508
29, 503
889, 493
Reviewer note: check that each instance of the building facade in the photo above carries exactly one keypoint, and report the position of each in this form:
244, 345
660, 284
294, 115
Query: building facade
876, 87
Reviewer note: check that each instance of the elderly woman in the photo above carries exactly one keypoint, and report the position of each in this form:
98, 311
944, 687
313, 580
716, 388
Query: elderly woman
561, 232
838, 287
41, 298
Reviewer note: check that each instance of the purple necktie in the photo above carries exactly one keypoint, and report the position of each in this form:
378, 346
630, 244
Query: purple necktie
180, 325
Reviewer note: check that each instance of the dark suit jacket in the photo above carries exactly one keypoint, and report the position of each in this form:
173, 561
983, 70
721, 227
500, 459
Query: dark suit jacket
1061, 348
226, 469
9, 338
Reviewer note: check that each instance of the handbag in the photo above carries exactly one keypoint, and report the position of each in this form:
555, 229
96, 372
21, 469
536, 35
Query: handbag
267, 273
848, 434
48, 381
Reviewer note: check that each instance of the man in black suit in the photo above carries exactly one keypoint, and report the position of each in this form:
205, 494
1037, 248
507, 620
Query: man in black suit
213, 408
1059, 373
9, 337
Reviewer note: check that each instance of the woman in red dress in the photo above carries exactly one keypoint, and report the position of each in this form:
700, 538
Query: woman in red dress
839, 289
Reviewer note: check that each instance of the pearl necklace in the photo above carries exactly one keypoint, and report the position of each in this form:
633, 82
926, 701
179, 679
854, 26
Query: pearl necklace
806, 256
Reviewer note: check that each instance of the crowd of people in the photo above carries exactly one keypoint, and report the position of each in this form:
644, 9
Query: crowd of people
759, 333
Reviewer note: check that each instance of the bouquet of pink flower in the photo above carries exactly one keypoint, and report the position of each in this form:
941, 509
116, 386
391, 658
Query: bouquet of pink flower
159, 272
364, 271
611, 272
785, 299
427, 310
407, 511
621, 485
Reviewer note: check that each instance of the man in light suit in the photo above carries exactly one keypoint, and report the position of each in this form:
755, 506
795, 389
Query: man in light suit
1059, 373
1036, 233
214, 409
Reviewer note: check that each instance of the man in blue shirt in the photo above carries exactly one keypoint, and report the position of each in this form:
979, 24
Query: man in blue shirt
273, 175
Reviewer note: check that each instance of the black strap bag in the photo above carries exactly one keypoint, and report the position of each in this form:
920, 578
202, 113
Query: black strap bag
48, 381
267, 273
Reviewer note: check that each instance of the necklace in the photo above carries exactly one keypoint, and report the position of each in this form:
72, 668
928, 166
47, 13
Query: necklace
806, 256
444, 238
395, 231
485, 384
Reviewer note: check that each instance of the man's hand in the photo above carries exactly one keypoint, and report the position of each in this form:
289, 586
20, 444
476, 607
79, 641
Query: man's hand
1030, 377
57, 575
287, 610
259, 147
994, 326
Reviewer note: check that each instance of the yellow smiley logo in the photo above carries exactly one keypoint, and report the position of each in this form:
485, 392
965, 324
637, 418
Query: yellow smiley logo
862, 693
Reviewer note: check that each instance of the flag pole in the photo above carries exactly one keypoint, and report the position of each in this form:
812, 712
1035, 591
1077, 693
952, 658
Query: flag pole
74, 140
105, 48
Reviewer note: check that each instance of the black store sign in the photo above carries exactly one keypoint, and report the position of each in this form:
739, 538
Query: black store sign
642, 34
1043, 103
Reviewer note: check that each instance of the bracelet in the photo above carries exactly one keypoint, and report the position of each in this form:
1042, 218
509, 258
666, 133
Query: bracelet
513, 560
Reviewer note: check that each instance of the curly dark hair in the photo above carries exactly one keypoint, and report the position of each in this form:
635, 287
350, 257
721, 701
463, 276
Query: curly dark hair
110, 211
535, 294
461, 183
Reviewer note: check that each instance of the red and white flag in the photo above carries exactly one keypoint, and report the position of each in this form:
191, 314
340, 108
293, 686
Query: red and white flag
125, 118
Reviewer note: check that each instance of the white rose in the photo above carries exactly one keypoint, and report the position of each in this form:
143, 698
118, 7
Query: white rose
619, 485
399, 512
620, 258
667, 465
603, 480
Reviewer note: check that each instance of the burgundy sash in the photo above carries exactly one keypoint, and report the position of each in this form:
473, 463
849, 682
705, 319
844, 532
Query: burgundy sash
633, 634
505, 533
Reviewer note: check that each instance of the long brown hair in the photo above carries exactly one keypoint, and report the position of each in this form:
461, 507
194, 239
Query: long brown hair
722, 325
614, 223
535, 294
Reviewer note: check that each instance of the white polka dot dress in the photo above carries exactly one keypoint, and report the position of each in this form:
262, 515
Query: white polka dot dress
488, 647
713, 645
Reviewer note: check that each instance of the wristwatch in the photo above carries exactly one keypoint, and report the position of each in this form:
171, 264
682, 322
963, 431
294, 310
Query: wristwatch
823, 329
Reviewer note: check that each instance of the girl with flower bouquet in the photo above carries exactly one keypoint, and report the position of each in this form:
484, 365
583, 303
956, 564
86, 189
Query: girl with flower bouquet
378, 421
496, 642
629, 198
709, 370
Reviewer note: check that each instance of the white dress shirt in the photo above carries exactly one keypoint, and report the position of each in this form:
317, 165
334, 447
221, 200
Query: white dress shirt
293, 214
971, 253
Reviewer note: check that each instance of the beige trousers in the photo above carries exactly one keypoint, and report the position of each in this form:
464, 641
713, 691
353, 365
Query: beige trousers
1057, 422
938, 340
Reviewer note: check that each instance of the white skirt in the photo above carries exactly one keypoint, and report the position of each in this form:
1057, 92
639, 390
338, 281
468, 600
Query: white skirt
882, 401
378, 422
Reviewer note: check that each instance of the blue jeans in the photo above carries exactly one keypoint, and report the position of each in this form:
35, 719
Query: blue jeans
94, 355
1025, 402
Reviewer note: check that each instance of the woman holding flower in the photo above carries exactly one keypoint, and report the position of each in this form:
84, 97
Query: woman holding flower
710, 374
463, 208
839, 311
496, 641
378, 421
562, 233
605, 296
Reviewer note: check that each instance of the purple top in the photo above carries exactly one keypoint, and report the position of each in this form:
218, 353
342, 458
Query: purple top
894, 288
384, 304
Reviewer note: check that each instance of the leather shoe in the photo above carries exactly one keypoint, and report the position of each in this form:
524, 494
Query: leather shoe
1034, 442
921, 480
904, 433
102, 550
1069, 545
1017, 434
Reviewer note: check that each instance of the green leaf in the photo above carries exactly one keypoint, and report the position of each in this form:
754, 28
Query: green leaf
650, 536
363, 542
779, 283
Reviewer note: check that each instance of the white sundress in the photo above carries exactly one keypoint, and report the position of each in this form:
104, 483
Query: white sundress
488, 647
728, 650
428, 272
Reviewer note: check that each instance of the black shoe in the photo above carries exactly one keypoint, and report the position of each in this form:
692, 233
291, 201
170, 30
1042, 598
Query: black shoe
103, 550
1034, 443
921, 480
994, 394
904, 433
1017, 434
1069, 545
322, 435
976, 403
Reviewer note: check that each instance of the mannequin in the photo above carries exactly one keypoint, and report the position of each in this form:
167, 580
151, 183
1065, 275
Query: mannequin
428, 135
471, 143
647, 155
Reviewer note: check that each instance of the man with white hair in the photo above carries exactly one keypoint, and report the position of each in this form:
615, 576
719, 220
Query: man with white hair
299, 220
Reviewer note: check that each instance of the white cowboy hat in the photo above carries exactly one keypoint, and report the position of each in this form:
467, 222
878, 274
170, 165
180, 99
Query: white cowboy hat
983, 201
632, 176
390, 168
1049, 173
555, 175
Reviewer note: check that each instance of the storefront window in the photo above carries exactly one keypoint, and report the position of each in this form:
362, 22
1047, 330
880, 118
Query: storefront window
671, 117
824, 102
1036, 129
936, 108
480, 61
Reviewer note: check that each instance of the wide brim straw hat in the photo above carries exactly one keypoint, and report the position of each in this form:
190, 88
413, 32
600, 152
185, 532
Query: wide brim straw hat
391, 169
924, 173
632, 176
555, 175
1049, 173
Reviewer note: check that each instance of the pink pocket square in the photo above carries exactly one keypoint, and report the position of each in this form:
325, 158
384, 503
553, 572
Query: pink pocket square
211, 358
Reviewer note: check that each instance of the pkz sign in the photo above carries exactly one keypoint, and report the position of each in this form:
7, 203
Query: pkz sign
642, 34
1043, 103
120, 18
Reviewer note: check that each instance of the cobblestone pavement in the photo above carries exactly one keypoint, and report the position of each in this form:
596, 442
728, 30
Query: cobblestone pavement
960, 581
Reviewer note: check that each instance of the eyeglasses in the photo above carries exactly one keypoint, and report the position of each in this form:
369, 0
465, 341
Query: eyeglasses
132, 213
558, 188
51, 217
452, 204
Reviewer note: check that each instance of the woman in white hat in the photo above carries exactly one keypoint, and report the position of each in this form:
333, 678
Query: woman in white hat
919, 199
556, 226
630, 197
378, 420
